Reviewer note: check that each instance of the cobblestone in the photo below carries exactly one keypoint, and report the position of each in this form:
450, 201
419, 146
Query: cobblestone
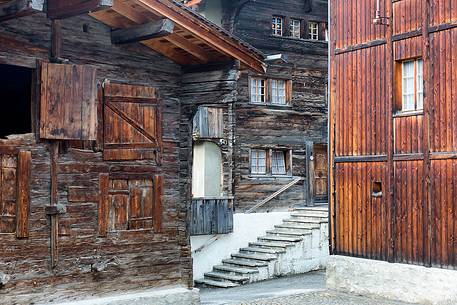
321, 298
307, 289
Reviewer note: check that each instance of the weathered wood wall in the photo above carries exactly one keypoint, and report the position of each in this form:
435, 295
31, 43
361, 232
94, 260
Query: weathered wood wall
133, 258
269, 126
410, 156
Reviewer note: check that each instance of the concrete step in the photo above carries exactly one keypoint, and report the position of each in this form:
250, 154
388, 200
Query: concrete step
226, 277
258, 256
306, 220
271, 244
289, 232
311, 214
280, 238
321, 219
220, 284
245, 262
233, 269
298, 225
263, 250
316, 208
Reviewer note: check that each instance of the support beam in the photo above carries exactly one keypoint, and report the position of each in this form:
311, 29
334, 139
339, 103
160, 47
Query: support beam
154, 29
58, 9
18, 8
189, 47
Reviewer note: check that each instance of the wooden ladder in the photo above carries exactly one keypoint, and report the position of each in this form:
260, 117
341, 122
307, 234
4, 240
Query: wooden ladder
276, 194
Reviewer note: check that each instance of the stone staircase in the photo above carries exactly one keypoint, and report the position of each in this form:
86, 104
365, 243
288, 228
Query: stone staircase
298, 245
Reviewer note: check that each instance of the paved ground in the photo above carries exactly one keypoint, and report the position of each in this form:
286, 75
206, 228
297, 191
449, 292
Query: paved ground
308, 289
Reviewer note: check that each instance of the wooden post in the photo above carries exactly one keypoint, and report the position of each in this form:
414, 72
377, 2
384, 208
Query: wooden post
56, 51
309, 186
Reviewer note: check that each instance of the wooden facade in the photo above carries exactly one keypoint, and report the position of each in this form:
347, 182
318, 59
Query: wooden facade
300, 126
94, 188
393, 171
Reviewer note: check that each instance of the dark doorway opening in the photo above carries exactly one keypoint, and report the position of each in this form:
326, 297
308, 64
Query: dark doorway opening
15, 100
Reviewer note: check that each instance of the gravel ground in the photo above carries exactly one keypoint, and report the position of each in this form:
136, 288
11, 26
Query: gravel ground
308, 289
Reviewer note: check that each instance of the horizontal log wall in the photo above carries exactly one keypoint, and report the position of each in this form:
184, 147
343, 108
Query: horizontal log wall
133, 258
418, 149
270, 127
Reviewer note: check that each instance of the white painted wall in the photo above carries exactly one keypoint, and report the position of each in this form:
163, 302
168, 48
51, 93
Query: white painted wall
206, 170
246, 227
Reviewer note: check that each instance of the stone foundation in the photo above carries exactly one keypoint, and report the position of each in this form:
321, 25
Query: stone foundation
176, 296
401, 282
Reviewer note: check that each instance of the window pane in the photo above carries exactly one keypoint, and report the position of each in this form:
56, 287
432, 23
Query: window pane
278, 92
295, 27
313, 30
258, 161
257, 90
278, 164
408, 86
277, 26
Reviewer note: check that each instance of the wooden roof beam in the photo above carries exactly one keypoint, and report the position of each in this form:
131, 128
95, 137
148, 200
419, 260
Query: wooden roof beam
183, 19
18, 8
59, 9
154, 29
189, 47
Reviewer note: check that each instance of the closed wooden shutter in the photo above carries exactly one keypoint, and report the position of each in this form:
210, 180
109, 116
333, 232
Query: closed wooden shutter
208, 123
132, 123
15, 171
68, 102
130, 204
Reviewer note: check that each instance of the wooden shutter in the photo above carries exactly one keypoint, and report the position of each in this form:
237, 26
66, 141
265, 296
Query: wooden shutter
68, 102
24, 168
289, 91
132, 123
8, 192
209, 123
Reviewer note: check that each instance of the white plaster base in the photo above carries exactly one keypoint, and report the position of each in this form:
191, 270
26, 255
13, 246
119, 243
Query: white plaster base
246, 229
401, 282
175, 296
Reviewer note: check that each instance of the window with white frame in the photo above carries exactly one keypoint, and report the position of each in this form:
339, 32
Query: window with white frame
412, 85
313, 28
258, 161
278, 162
277, 25
295, 28
278, 92
257, 90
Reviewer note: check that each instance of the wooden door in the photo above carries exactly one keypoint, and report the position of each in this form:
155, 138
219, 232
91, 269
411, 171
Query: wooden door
320, 191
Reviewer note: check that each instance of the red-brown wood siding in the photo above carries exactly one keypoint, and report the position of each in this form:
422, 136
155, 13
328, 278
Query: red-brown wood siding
413, 155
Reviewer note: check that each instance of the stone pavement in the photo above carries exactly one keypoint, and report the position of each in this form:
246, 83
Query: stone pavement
307, 289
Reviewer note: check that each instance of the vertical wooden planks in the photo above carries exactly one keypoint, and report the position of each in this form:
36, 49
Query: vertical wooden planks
68, 102
8, 192
158, 203
24, 169
103, 205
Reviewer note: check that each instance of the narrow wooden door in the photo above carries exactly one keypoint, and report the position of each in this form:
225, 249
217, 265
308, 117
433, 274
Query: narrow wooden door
320, 173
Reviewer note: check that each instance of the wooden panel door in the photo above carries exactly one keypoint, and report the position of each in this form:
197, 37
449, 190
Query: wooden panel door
320, 173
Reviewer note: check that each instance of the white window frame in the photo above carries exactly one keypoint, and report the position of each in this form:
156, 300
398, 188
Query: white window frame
258, 161
257, 90
277, 26
278, 92
295, 28
313, 28
412, 89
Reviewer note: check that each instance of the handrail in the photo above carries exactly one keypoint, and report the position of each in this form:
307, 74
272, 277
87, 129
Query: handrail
276, 194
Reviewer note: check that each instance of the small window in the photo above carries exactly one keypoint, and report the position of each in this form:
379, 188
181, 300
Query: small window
313, 30
258, 161
412, 90
277, 26
278, 162
295, 28
278, 92
257, 90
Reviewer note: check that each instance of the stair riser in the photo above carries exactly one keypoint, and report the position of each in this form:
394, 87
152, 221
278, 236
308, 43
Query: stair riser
317, 219
289, 233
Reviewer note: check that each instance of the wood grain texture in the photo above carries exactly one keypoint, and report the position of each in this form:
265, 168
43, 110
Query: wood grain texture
24, 168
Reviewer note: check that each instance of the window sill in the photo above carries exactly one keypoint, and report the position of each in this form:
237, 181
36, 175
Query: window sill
299, 39
269, 105
270, 177
401, 114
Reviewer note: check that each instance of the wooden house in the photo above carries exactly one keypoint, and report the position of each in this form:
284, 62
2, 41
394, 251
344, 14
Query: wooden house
274, 156
94, 172
393, 131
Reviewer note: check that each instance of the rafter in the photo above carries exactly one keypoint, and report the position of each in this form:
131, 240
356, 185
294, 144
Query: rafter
154, 29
